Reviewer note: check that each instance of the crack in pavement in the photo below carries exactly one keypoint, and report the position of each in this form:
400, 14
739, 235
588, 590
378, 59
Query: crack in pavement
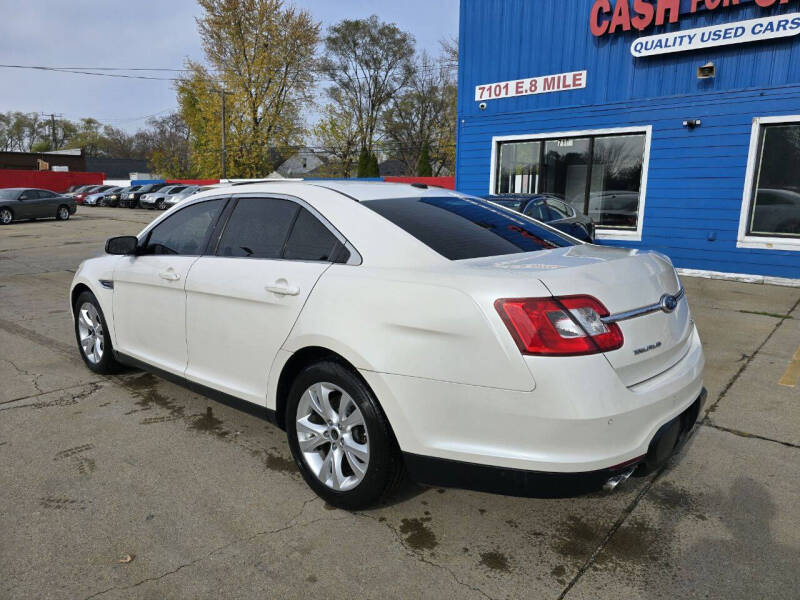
93, 387
422, 558
64, 389
34, 376
290, 525
706, 421
744, 366
744, 434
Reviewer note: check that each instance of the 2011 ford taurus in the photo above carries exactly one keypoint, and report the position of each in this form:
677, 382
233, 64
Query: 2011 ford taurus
392, 327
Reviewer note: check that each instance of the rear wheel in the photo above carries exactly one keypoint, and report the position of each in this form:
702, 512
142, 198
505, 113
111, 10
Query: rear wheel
91, 333
340, 438
5, 216
62, 214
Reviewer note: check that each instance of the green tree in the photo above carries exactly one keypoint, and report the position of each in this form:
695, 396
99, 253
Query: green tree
373, 169
262, 52
337, 135
367, 61
424, 162
363, 163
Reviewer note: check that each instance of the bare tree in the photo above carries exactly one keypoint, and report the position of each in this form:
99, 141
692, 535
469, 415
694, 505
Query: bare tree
368, 62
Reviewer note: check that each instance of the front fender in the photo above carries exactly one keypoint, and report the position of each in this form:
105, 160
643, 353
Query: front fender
89, 275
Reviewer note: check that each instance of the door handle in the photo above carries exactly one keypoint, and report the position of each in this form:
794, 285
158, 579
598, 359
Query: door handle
283, 288
169, 275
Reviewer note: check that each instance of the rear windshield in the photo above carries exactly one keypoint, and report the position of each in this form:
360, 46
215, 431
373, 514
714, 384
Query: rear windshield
460, 228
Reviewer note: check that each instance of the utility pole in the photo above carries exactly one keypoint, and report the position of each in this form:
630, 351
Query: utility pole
224, 93
52, 128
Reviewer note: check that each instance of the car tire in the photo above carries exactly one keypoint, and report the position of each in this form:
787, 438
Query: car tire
350, 457
6, 216
160, 205
62, 214
99, 357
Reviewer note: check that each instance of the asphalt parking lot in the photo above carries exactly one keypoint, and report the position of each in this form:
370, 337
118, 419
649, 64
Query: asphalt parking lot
131, 487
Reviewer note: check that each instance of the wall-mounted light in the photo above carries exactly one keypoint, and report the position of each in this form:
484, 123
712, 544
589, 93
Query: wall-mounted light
707, 71
692, 123
482, 105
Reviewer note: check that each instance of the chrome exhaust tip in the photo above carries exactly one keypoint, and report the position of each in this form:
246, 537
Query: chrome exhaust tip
611, 484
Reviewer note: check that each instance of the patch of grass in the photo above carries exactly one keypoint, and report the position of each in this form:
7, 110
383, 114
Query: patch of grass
766, 314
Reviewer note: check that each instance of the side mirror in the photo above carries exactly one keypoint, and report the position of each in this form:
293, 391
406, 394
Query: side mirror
124, 245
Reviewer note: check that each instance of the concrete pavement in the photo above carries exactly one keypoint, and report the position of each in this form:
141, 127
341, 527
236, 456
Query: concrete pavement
198, 499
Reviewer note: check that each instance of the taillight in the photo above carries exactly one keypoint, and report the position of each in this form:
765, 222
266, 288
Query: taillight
566, 326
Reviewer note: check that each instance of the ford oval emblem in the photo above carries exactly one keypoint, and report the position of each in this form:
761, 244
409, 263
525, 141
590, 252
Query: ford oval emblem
668, 303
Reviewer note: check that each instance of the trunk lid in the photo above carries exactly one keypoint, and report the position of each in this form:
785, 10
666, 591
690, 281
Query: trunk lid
623, 280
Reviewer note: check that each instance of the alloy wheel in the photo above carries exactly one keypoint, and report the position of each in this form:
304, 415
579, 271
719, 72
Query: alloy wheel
90, 332
63, 213
332, 436
5, 216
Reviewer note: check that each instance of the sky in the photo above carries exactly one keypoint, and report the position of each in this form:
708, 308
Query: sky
147, 33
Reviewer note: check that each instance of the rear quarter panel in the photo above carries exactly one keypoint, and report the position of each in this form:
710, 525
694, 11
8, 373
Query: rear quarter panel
418, 325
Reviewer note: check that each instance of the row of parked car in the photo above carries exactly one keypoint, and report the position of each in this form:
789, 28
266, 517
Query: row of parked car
159, 196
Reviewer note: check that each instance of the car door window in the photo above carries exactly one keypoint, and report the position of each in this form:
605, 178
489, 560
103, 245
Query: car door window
311, 240
258, 228
559, 210
28, 195
45, 194
538, 210
186, 232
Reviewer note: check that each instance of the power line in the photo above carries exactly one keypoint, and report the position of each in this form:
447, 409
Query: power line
444, 66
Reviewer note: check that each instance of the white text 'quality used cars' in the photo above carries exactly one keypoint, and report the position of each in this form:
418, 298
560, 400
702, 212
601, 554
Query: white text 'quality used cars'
393, 328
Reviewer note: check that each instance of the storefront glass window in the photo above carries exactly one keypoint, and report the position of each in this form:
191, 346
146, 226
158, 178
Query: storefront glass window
519, 168
776, 199
566, 167
616, 177
599, 175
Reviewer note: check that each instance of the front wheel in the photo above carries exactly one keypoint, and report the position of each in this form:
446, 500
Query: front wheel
160, 205
62, 214
340, 438
5, 216
92, 335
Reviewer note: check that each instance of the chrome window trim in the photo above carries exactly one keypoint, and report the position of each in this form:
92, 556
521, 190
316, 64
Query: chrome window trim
663, 305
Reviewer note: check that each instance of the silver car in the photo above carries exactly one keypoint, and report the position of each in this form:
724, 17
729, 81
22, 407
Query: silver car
158, 198
191, 190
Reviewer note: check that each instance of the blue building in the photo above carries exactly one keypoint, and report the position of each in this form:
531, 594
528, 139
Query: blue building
675, 124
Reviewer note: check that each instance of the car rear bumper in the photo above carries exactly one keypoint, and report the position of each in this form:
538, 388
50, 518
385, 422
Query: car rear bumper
573, 422
430, 470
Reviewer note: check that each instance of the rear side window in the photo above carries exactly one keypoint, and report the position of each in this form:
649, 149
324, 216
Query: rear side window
460, 228
258, 228
185, 232
311, 240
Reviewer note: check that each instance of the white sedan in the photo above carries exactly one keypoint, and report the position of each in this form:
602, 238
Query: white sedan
392, 327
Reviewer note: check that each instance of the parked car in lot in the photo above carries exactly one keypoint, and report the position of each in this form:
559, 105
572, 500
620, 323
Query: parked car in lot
189, 190
98, 198
80, 197
17, 204
549, 209
158, 198
113, 197
131, 199
385, 326
74, 189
